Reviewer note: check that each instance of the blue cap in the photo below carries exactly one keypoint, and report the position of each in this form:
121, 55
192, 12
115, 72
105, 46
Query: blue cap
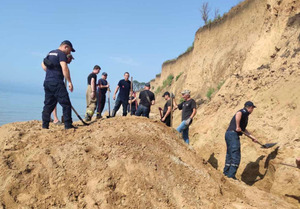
249, 104
67, 42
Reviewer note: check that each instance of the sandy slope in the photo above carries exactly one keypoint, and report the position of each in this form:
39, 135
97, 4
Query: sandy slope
125, 162
255, 51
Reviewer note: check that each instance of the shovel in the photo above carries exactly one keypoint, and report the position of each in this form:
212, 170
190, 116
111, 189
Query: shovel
265, 146
108, 100
159, 109
289, 165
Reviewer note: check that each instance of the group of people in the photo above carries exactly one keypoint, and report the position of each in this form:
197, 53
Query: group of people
56, 66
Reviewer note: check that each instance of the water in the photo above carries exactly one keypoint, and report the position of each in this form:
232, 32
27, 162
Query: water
17, 106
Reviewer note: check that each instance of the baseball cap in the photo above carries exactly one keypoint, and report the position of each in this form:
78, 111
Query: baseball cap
186, 92
104, 73
147, 84
67, 42
166, 93
249, 104
70, 56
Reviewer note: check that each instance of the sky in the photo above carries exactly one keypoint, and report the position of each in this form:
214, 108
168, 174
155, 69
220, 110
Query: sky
134, 35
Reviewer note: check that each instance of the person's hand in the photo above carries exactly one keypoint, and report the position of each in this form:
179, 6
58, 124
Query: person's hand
254, 140
70, 86
172, 95
107, 85
93, 95
114, 97
163, 119
188, 121
238, 129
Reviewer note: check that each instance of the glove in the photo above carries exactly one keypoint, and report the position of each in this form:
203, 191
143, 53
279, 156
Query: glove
188, 122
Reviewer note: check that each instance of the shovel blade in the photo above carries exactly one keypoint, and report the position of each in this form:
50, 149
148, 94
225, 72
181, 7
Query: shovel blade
269, 145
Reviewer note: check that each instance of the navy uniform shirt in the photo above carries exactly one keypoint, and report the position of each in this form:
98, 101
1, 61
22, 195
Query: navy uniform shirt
243, 122
124, 90
55, 73
103, 82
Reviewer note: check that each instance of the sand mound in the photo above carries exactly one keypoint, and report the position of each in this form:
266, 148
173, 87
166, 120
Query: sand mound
123, 162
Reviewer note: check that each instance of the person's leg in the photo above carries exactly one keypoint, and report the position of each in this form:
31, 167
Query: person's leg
146, 112
168, 121
49, 103
228, 154
91, 104
62, 96
235, 151
185, 135
116, 107
102, 102
88, 101
124, 104
181, 126
98, 104
139, 111
54, 112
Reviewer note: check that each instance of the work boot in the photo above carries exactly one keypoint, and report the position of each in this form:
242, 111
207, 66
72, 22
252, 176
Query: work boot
88, 117
113, 114
70, 127
98, 116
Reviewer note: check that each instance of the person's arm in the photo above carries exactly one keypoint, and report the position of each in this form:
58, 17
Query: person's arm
44, 66
103, 86
250, 136
167, 113
116, 91
194, 113
238, 117
93, 87
66, 73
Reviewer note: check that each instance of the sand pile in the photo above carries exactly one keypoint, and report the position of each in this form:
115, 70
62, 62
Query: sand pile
123, 162
252, 53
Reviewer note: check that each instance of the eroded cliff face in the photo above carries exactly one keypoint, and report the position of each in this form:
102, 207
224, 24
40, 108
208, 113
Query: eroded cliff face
255, 51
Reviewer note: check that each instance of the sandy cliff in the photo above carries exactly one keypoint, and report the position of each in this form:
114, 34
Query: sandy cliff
255, 51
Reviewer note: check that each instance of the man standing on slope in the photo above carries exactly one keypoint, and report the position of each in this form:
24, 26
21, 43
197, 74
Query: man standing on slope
103, 85
147, 99
91, 99
55, 65
123, 96
188, 107
166, 118
237, 125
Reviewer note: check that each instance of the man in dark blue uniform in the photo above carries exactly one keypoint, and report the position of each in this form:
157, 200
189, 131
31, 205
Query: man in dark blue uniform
123, 96
55, 65
103, 86
237, 125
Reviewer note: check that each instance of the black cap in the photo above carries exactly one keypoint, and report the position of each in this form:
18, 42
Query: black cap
147, 84
67, 42
166, 93
97, 67
104, 73
249, 104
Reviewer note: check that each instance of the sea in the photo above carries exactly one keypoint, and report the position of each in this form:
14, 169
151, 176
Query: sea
20, 106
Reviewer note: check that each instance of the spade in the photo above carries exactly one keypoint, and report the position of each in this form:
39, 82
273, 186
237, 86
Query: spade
265, 146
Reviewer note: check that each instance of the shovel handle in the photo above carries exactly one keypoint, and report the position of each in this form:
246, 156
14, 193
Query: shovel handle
252, 138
